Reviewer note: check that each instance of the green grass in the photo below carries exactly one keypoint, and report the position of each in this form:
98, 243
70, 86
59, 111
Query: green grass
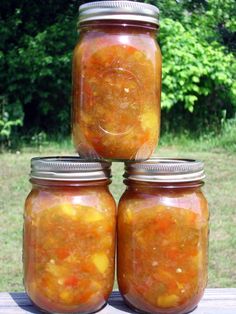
220, 189
225, 140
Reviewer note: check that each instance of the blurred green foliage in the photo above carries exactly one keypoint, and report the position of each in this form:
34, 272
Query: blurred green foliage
6, 124
198, 45
37, 39
197, 39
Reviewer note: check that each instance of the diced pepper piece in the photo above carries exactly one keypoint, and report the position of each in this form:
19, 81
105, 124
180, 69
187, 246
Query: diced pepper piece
87, 267
62, 253
68, 210
196, 260
85, 296
96, 286
101, 261
166, 301
66, 296
149, 120
164, 223
56, 270
71, 281
92, 215
128, 216
173, 253
106, 242
166, 278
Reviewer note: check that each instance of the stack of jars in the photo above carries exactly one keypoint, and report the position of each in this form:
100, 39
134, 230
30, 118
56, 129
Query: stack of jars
70, 215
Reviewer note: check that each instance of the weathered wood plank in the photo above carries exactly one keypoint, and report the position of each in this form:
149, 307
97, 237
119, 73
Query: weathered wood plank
215, 301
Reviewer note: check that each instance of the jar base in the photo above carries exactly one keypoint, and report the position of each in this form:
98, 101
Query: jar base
101, 159
48, 312
146, 312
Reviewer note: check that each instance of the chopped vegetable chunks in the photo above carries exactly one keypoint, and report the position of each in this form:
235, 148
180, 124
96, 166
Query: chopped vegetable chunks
162, 249
116, 93
69, 248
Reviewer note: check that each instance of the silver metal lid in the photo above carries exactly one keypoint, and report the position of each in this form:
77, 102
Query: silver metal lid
165, 170
119, 10
69, 169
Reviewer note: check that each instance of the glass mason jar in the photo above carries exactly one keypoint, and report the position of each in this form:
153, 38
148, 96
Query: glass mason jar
163, 236
69, 235
117, 81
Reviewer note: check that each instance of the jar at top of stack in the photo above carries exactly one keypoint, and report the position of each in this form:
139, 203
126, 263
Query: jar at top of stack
163, 236
69, 235
117, 81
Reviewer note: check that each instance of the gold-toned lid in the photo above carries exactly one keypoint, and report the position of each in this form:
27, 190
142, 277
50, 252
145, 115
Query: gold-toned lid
165, 170
69, 169
119, 10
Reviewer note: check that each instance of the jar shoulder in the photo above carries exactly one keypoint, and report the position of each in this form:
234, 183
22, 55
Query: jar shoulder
99, 198
96, 40
149, 200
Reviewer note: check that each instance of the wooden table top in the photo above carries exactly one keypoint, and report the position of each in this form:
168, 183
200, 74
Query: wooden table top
215, 301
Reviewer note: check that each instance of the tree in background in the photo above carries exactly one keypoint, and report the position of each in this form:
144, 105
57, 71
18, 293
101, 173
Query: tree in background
199, 87
37, 38
197, 38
